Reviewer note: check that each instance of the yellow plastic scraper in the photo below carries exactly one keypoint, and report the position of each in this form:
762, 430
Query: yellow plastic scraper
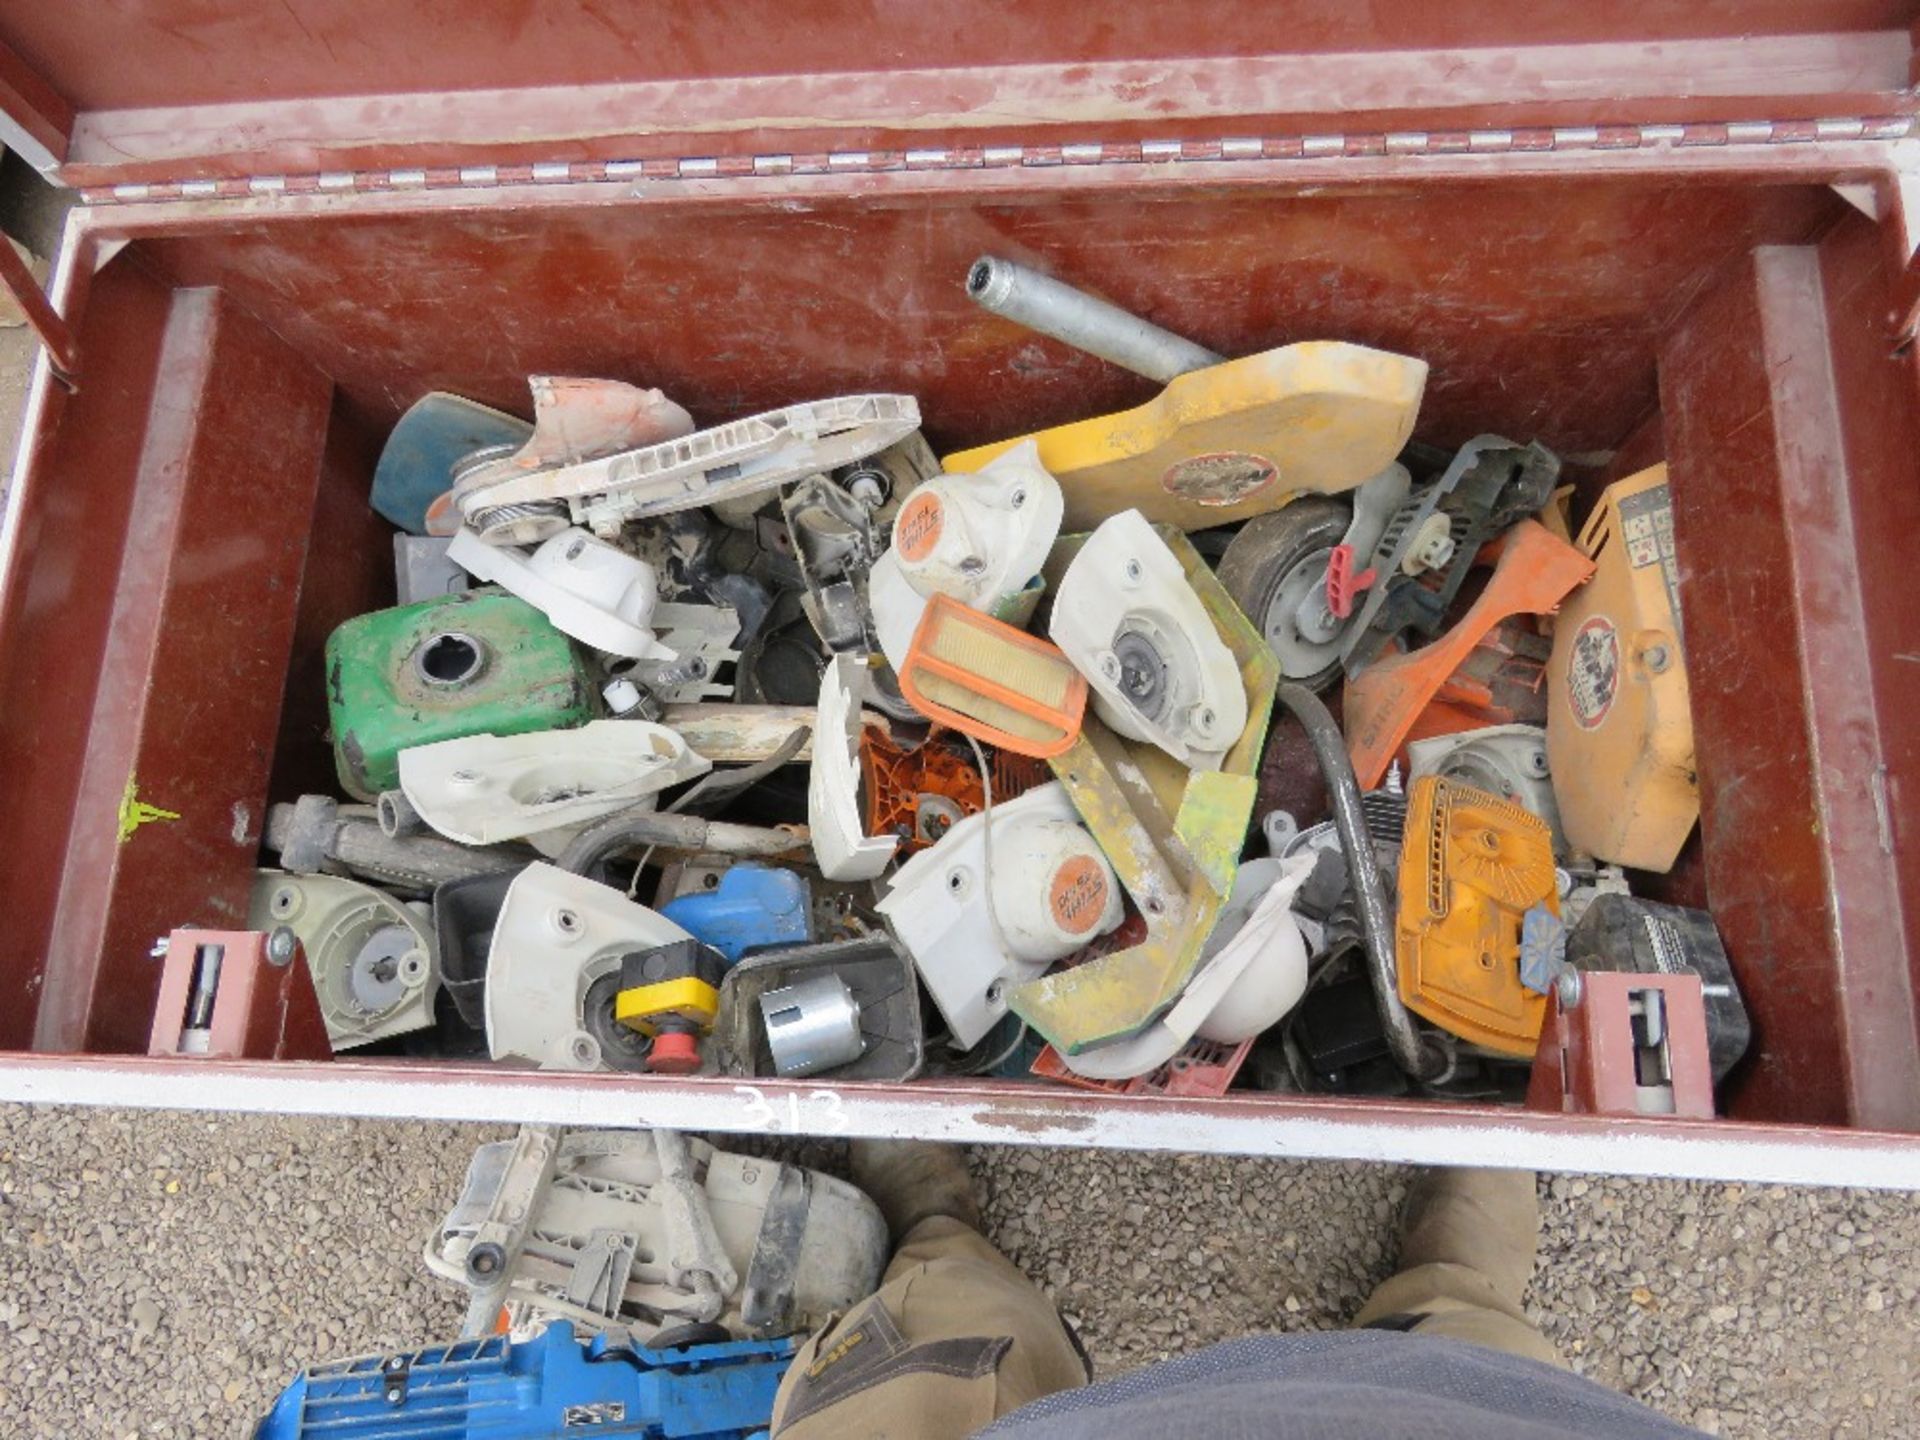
1236, 439
1173, 837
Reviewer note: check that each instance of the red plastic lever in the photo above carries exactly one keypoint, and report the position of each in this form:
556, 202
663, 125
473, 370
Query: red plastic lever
1343, 586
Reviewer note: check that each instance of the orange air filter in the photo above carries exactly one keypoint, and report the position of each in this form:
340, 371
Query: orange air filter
986, 679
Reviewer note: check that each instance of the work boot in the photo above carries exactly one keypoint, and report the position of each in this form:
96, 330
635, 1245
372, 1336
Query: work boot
1486, 1220
914, 1180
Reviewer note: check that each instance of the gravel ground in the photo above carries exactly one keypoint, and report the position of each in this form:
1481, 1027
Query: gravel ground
165, 1274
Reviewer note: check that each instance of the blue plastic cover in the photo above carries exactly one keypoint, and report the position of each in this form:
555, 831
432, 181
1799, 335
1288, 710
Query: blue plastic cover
416, 467
551, 1387
754, 907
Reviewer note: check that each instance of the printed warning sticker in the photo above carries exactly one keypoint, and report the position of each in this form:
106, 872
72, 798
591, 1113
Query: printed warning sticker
1078, 895
1593, 672
1646, 525
917, 530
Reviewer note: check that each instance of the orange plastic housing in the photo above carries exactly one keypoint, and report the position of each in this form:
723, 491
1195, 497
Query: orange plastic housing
1472, 866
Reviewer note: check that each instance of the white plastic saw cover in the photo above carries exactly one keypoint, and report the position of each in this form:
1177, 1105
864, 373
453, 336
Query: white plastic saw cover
558, 933
485, 789
977, 537
375, 962
593, 591
979, 918
628, 1233
1129, 621
1252, 972
841, 846
742, 457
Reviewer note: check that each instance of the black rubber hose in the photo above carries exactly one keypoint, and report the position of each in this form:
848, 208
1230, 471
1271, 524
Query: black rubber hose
629, 828
1414, 1053
718, 785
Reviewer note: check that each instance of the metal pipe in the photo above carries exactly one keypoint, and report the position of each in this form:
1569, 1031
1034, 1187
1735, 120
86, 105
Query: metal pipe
1076, 318
314, 837
1412, 1051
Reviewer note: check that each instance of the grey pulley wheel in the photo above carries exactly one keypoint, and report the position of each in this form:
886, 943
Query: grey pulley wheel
1276, 571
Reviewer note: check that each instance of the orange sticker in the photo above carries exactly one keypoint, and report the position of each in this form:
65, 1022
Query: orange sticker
917, 530
1078, 895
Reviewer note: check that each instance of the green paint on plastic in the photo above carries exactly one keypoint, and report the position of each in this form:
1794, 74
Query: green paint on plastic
479, 663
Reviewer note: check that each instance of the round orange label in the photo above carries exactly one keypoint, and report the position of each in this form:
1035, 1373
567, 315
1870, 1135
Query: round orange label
1078, 895
917, 530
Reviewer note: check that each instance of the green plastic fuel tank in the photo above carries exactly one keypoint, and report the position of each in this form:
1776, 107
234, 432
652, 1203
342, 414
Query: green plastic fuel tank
479, 663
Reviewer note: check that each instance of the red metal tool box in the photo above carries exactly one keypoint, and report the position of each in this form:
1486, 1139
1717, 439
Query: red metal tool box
1669, 229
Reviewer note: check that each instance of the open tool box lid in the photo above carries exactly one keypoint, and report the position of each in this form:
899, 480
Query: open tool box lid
223, 89
1675, 229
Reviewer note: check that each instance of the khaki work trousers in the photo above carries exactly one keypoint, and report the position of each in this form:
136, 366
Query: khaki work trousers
956, 1337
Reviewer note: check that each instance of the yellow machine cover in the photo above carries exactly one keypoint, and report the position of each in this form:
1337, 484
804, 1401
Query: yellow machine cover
1471, 866
1619, 726
1234, 440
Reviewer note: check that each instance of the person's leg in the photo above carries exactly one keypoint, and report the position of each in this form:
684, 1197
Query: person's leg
956, 1336
1471, 1237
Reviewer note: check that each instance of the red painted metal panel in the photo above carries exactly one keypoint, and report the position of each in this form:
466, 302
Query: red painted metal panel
191, 668
1876, 391
1536, 306
70, 509
183, 52
201, 88
1802, 887
939, 103
1588, 1057
348, 571
42, 113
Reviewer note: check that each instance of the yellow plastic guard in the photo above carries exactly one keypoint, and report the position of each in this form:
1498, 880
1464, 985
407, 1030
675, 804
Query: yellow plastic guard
1471, 867
1619, 718
1173, 837
644, 1006
1234, 440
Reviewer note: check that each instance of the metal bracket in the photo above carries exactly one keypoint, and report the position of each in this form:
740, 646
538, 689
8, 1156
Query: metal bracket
600, 1275
63, 351
1615, 1043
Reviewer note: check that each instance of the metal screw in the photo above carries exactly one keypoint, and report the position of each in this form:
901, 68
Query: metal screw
1134, 572
1569, 987
281, 943
1657, 658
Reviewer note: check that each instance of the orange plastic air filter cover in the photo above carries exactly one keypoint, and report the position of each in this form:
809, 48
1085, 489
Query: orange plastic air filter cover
1471, 867
987, 679
1381, 704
